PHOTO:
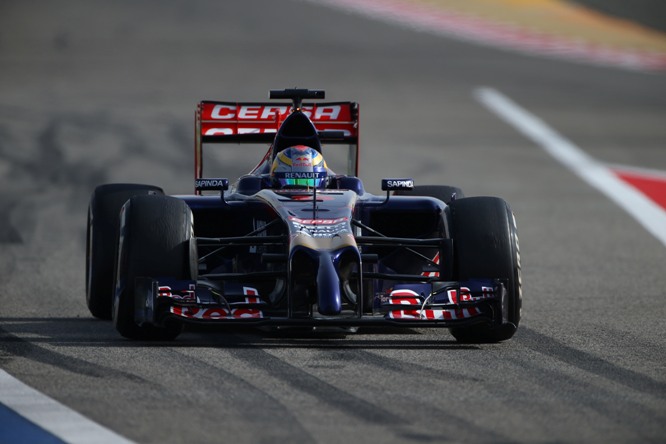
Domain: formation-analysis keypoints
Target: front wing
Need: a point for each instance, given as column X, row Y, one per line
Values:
column 415, row 305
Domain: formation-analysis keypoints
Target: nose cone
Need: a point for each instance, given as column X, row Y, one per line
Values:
column 329, row 297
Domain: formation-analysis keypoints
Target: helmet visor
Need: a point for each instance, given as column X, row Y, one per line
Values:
column 301, row 180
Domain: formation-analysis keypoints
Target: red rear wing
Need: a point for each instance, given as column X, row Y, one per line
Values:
column 257, row 122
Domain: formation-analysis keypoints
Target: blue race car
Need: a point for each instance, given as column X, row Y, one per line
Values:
column 293, row 244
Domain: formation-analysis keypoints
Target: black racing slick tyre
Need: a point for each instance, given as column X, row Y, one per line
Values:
column 486, row 246
column 156, row 240
column 102, row 239
column 445, row 193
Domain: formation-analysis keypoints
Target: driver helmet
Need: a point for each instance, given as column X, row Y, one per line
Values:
column 299, row 166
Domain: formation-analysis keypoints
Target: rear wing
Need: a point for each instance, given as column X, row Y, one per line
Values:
column 258, row 122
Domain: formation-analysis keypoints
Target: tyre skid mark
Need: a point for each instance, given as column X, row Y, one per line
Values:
column 13, row 346
column 243, row 347
column 602, row 400
column 590, row 363
column 457, row 422
column 299, row 379
column 325, row 392
column 249, row 401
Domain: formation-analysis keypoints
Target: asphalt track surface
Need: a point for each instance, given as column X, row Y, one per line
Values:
column 101, row 92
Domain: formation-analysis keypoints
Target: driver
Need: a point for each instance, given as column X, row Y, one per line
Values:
column 299, row 167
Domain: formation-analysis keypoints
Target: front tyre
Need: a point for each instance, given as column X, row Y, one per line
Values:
column 102, row 239
column 486, row 246
column 156, row 238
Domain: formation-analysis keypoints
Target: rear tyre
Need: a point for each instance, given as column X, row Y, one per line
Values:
column 101, row 242
column 444, row 193
column 156, row 240
column 486, row 246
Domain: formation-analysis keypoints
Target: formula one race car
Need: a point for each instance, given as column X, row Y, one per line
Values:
column 292, row 244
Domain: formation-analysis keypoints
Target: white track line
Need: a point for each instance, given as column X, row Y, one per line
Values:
column 50, row 415
column 646, row 212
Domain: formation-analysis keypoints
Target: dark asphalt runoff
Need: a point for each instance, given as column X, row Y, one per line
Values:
column 94, row 92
